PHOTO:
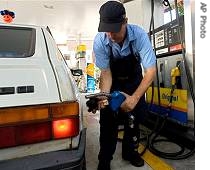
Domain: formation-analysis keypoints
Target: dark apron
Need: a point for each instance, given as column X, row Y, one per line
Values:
column 126, row 77
column 126, row 72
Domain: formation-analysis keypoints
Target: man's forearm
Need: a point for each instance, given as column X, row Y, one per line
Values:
column 105, row 80
column 145, row 83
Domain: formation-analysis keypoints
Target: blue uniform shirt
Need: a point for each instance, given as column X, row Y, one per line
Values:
column 141, row 44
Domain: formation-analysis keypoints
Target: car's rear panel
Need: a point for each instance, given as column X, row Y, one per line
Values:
column 26, row 77
column 40, row 112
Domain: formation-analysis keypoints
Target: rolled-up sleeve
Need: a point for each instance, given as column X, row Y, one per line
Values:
column 144, row 48
column 101, row 52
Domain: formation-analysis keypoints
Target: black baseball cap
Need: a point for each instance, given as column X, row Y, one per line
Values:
column 112, row 15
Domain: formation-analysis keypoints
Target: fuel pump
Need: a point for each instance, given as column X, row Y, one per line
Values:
column 168, row 97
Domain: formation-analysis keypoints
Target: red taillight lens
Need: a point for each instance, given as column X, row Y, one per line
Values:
column 25, row 134
column 7, row 137
column 65, row 128
column 33, row 133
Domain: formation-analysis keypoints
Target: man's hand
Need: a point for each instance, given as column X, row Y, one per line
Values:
column 97, row 103
column 129, row 103
column 102, row 102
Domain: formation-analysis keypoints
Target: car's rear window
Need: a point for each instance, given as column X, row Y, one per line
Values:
column 17, row 42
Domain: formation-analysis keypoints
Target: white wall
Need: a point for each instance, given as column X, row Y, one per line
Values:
column 70, row 18
column 67, row 18
column 139, row 12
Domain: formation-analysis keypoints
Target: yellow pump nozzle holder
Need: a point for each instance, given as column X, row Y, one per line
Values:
column 174, row 73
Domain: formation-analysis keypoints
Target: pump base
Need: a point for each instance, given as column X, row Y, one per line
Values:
column 175, row 131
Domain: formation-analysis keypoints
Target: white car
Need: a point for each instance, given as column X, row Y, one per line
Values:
column 41, row 125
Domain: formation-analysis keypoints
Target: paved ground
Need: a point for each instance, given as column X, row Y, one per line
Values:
column 152, row 162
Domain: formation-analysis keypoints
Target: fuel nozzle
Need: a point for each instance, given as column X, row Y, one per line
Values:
column 175, row 72
column 175, row 81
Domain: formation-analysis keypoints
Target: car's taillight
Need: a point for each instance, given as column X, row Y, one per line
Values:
column 32, row 133
column 27, row 125
column 63, row 110
column 25, row 134
column 65, row 128
column 23, row 114
column 7, row 137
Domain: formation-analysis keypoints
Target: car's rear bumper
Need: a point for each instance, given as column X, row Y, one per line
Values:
column 66, row 159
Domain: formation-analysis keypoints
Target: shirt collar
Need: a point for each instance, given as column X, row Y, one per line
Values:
column 130, row 33
column 106, row 39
